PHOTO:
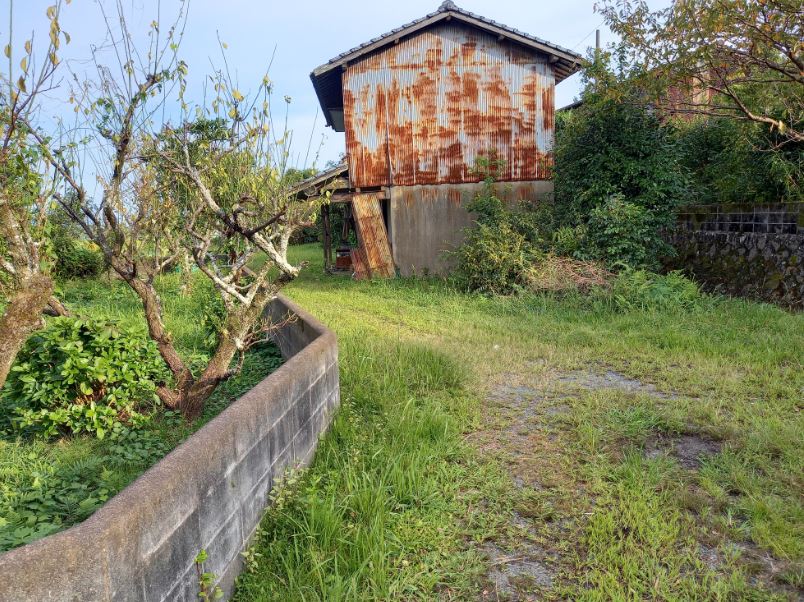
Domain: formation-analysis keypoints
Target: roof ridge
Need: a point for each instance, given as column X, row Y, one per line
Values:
column 327, row 81
column 449, row 6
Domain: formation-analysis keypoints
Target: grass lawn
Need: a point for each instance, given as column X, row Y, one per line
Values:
column 535, row 448
column 48, row 486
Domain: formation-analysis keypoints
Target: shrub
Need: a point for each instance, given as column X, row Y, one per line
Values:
column 740, row 162
column 76, row 258
column 534, row 221
column 612, row 147
column 42, row 492
column 620, row 232
column 569, row 241
column 642, row 290
column 79, row 376
column 494, row 259
column 616, row 147
column 496, row 253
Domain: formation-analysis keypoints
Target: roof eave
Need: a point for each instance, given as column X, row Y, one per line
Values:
column 324, row 109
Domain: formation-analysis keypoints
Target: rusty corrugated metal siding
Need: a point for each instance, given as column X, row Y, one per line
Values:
column 421, row 111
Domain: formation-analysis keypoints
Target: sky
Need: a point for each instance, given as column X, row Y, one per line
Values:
column 300, row 35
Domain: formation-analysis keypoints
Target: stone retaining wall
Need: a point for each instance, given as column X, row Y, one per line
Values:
column 209, row 493
column 767, row 267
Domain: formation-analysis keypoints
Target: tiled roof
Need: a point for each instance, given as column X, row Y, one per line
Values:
column 446, row 7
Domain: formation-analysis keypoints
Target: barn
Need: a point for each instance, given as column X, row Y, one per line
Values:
column 419, row 105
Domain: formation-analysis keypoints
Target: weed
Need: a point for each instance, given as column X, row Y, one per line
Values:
column 402, row 496
column 48, row 486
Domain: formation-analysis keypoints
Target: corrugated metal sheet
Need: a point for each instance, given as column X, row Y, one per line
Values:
column 422, row 111
column 359, row 268
column 372, row 236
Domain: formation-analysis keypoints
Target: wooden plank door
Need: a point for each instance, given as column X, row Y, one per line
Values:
column 372, row 235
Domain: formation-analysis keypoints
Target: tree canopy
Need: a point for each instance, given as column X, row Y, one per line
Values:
column 742, row 59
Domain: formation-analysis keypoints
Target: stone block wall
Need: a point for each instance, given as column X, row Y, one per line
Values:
column 754, row 252
column 209, row 493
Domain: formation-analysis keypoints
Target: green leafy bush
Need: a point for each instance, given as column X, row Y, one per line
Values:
column 643, row 290
column 569, row 241
column 733, row 161
column 42, row 492
column 615, row 147
column 620, row 232
column 494, row 259
column 79, row 376
column 47, row 486
column 76, row 258
column 495, row 256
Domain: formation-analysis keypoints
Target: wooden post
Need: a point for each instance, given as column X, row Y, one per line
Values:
column 347, row 217
column 327, row 238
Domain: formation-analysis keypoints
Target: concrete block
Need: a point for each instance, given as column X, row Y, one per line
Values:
column 173, row 558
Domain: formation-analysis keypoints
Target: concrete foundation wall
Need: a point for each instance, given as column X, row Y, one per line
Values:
column 209, row 493
column 425, row 221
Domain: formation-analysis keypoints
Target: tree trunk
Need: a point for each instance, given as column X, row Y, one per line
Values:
column 22, row 317
column 56, row 308
column 190, row 399
column 159, row 334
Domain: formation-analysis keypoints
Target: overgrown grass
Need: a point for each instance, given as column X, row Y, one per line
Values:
column 48, row 486
column 399, row 501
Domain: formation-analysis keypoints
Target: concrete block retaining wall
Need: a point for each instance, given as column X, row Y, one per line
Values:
column 209, row 493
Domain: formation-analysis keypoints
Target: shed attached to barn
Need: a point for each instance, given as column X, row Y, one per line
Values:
column 419, row 106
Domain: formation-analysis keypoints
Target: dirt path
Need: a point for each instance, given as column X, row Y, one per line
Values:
column 529, row 427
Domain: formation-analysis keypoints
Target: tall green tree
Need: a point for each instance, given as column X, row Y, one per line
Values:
column 740, row 59
column 618, row 179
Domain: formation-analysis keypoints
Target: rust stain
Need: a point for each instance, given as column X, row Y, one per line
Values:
column 372, row 236
column 429, row 194
column 422, row 111
column 359, row 266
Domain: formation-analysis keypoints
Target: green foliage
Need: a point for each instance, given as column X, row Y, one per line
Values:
column 206, row 580
column 499, row 250
column 535, row 221
column 76, row 258
column 73, row 256
column 569, row 241
column 79, row 376
column 46, row 486
column 487, row 206
column 614, row 147
column 493, row 259
column 737, row 162
column 41, row 492
column 620, row 232
column 749, row 51
column 494, row 256
column 641, row 290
